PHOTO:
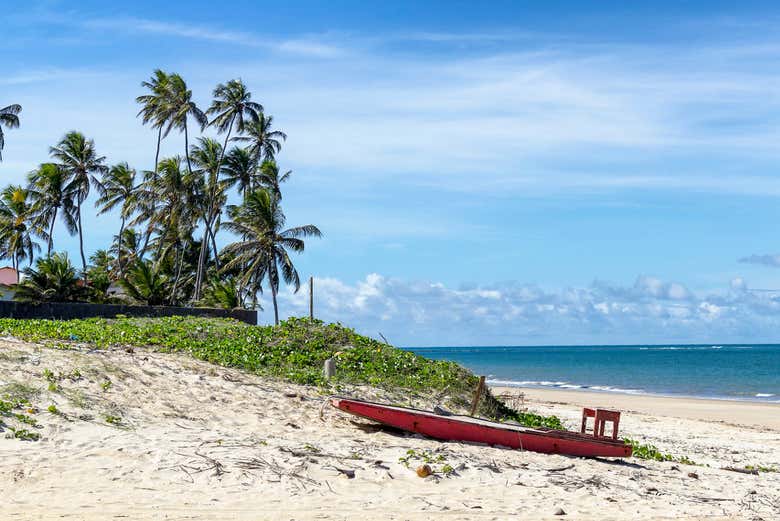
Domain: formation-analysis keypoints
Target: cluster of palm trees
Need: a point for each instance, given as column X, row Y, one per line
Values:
column 165, row 251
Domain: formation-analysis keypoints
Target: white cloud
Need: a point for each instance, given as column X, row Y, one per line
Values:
column 300, row 46
column 539, row 118
column 651, row 310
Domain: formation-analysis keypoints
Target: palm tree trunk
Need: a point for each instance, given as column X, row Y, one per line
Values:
column 179, row 260
column 51, row 232
column 154, row 201
column 213, row 235
column 201, row 262
column 81, row 242
column 187, row 147
column 202, row 256
column 119, row 247
column 209, row 228
column 147, row 236
column 273, row 281
column 276, row 307
column 157, row 154
column 224, row 147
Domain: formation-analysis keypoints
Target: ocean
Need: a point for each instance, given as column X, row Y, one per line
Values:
column 737, row 372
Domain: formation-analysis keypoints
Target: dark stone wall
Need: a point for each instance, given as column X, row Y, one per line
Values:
column 68, row 310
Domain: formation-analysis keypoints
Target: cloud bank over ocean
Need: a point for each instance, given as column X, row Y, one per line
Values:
column 649, row 311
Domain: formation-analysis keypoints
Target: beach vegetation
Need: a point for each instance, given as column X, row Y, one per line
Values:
column 18, row 393
column 23, row 434
column 7, row 408
column 651, row 452
column 294, row 351
column 762, row 468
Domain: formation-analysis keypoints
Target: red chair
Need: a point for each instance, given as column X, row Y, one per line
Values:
column 600, row 417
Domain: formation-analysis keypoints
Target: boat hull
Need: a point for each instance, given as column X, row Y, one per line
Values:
column 475, row 430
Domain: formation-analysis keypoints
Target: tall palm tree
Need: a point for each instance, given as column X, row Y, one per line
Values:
column 156, row 107
column 9, row 116
column 50, row 198
column 77, row 156
column 264, row 251
column 264, row 142
column 179, row 108
column 117, row 189
column 240, row 169
column 178, row 214
column 270, row 178
column 17, row 232
column 231, row 105
column 206, row 155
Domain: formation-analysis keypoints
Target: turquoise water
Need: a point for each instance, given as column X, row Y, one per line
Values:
column 742, row 372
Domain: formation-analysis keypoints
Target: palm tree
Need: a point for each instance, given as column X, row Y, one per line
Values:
column 127, row 245
column 145, row 282
column 269, row 177
column 100, row 275
column 54, row 279
column 222, row 294
column 264, row 252
column 264, row 142
column 17, row 231
column 156, row 107
column 240, row 169
column 178, row 214
column 77, row 156
column 117, row 189
column 50, row 199
column 144, row 207
column 206, row 155
column 179, row 107
column 9, row 116
column 232, row 103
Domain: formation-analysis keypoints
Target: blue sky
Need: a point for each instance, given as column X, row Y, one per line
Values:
column 524, row 172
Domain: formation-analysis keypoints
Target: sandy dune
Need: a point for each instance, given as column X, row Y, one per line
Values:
column 196, row 441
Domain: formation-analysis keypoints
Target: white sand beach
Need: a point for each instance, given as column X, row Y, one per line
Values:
column 195, row 441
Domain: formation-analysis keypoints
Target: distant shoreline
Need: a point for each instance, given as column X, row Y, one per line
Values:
column 736, row 412
column 765, row 398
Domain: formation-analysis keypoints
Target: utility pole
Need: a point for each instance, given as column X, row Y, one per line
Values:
column 311, row 298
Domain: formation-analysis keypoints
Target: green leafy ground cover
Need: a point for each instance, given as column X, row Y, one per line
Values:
column 294, row 351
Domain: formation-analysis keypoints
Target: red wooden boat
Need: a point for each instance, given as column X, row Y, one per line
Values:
column 466, row 428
